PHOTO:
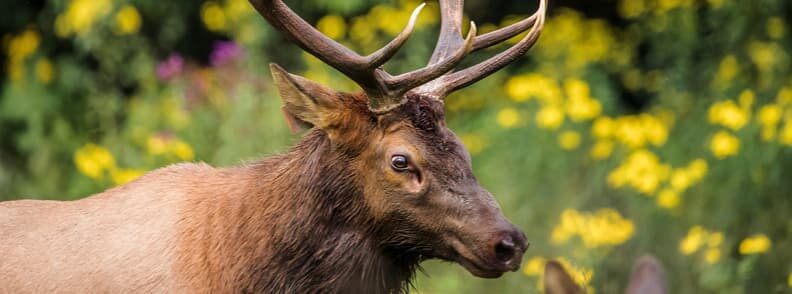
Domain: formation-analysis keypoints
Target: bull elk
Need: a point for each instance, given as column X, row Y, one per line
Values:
column 378, row 185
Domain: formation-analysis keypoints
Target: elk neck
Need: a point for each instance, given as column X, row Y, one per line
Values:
column 296, row 222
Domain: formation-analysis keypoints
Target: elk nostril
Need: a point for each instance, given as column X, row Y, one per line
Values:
column 505, row 250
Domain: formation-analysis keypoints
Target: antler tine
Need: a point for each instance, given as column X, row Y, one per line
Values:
column 450, row 30
column 382, row 55
column 502, row 34
column 410, row 80
column 358, row 68
column 460, row 79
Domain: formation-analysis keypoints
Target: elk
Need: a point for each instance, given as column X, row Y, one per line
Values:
column 376, row 186
column 647, row 277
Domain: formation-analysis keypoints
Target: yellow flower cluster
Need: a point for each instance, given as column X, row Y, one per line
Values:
column 603, row 228
column 220, row 17
column 127, row 20
column 80, row 17
column 580, row 105
column 723, row 144
column 730, row 115
column 167, row 145
column 770, row 118
column 727, row 70
column 699, row 238
column 563, row 40
column 521, row 88
column 580, row 275
column 641, row 170
column 388, row 19
column 776, row 28
column 765, row 55
column 569, row 140
column 508, row 117
column 474, row 143
column 755, row 244
column 635, row 8
column 45, row 70
column 20, row 47
column 633, row 131
column 573, row 101
column 94, row 161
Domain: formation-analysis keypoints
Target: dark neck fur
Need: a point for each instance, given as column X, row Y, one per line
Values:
column 302, row 226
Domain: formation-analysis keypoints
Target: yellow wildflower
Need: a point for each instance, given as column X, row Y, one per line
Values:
column 776, row 27
column 580, row 109
column 668, row 199
column 23, row 45
column 333, row 26
column 92, row 160
column 45, row 71
column 769, row 115
column 715, row 239
column 474, row 143
column 728, row 114
column 692, row 241
column 182, row 150
column 789, row 280
column 518, row 88
column 727, row 70
column 603, row 127
column 127, row 20
column 156, row 145
column 522, row 87
column 569, row 140
column 724, row 145
column 681, row 179
column 508, row 117
column 80, row 16
column 213, row 16
column 631, row 8
column 698, row 168
column 755, row 244
column 534, row 266
column 605, row 227
column 712, row 255
column 784, row 96
column 642, row 170
column 764, row 55
column 581, row 275
column 786, row 133
column 550, row 117
column 602, row 149
column 123, row 176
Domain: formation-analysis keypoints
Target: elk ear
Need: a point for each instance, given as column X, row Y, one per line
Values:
column 647, row 277
column 305, row 103
column 558, row 281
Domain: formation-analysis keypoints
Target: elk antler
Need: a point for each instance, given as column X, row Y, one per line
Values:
column 386, row 91
column 449, row 39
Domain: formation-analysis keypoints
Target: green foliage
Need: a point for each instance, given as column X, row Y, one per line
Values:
column 646, row 126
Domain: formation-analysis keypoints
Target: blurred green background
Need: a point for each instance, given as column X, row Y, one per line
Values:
column 634, row 126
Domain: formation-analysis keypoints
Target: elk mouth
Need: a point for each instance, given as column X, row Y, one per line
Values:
column 478, row 265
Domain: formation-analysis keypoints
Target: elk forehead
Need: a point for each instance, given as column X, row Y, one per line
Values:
column 441, row 147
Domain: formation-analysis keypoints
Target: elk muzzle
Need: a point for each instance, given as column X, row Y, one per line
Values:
column 488, row 245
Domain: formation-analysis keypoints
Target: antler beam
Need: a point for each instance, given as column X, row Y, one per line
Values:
column 386, row 91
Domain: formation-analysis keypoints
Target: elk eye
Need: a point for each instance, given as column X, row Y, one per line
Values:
column 399, row 163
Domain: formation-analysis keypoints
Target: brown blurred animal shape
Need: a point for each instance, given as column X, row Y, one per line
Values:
column 647, row 277
column 377, row 185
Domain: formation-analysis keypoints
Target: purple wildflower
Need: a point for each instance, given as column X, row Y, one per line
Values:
column 170, row 67
column 224, row 52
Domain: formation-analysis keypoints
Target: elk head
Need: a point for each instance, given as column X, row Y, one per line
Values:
column 414, row 173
